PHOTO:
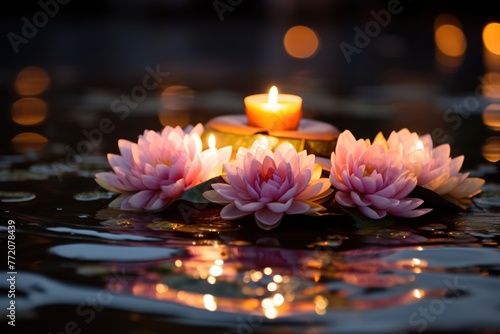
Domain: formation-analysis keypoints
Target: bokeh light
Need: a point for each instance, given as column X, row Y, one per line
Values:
column 491, row 38
column 491, row 116
column 491, row 149
column 450, row 40
column 176, row 101
column 29, row 111
column 301, row 42
column 31, row 81
column 28, row 142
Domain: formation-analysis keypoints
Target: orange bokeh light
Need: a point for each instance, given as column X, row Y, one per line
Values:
column 450, row 40
column 301, row 42
column 28, row 141
column 491, row 149
column 491, row 38
column 31, row 80
column 491, row 116
column 29, row 111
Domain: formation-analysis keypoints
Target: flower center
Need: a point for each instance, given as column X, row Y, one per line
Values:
column 368, row 170
column 266, row 176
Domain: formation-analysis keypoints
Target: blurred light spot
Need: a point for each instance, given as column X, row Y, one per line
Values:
column 491, row 38
column 420, row 248
column 417, row 293
column 182, row 295
column 268, row 271
column 256, row 276
column 29, row 111
column 219, row 262
column 301, row 42
column 267, row 303
column 209, row 302
column 28, row 141
column 278, row 299
column 491, row 116
column 161, row 288
column 320, row 304
column 490, row 85
column 211, row 280
column 415, row 262
column 31, row 80
column 215, row 270
column 491, row 149
column 272, row 286
column 278, row 278
column 450, row 40
column 178, row 263
column 176, row 101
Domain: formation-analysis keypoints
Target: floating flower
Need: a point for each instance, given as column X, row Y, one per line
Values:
column 270, row 184
column 433, row 167
column 160, row 167
column 373, row 178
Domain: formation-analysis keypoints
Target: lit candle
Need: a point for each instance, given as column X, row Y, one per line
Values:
column 274, row 111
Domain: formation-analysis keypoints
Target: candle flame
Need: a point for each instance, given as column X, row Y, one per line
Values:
column 273, row 96
column 211, row 141
column 419, row 146
column 417, row 294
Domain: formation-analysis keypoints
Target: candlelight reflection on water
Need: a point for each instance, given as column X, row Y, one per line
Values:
column 29, row 111
column 176, row 101
column 28, row 142
column 491, row 116
column 31, row 81
column 491, row 149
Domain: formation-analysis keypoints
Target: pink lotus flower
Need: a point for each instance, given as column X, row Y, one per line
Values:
column 160, row 167
column 270, row 185
column 373, row 178
column 433, row 167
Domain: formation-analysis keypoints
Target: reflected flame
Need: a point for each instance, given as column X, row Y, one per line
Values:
column 301, row 42
column 417, row 294
column 490, row 85
column 31, row 81
column 491, row 149
column 176, row 101
column 209, row 302
column 491, row 116
column 29, row 111
column 29, row 141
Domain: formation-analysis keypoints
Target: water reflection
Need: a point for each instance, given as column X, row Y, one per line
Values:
column 491, row 116
column 491, row 149
column 31, row 80
column 28, row 142
column 29, row 111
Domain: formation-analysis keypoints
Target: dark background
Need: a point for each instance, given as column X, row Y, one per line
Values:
column 94, row 51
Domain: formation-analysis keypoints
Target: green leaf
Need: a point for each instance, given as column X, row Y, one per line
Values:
column 434, row 200
column 195, row 194
column 364, row 222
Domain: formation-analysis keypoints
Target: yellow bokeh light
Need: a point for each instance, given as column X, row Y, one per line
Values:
column 491, row 116
column 29, row 111
column 31, row 80
column 301, row 42
column 28, row 141
column 491, row 38
column 176, row 101
column 450, row 40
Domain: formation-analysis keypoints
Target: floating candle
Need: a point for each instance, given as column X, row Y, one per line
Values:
column 274, row 111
